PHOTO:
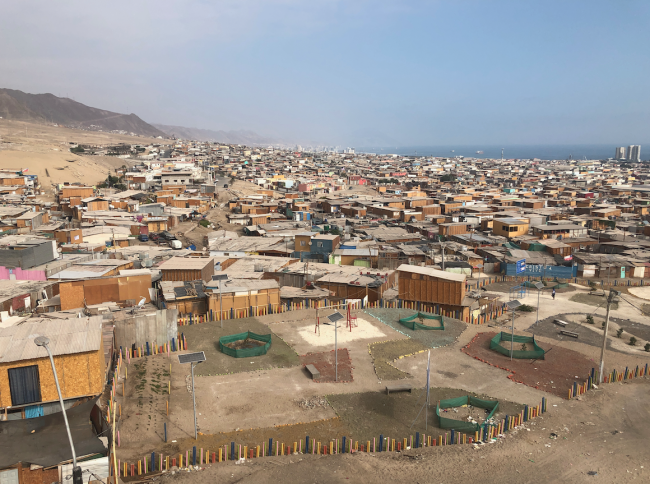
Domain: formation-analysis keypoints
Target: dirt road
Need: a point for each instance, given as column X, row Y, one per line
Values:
column 605, row 434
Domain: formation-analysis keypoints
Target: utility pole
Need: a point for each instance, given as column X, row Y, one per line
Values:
column 442, row 251
column 610, row 298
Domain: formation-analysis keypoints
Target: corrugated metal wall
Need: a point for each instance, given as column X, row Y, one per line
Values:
column 159, row 327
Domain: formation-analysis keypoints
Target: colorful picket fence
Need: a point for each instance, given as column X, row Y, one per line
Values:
column 153, row 348
column 255, row 311
column 157, row 462
column 614, row 376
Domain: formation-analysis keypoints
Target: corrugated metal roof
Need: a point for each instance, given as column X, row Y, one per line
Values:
column 432, row 272
column 67, row 336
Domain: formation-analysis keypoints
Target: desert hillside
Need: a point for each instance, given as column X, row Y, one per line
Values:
column 44, row 151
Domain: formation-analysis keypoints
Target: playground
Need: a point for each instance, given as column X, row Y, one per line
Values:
column 252, row 399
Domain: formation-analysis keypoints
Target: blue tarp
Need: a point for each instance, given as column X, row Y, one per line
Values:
column 561, row 272
column 34, row 411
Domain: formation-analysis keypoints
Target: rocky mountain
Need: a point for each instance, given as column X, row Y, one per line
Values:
column 243, row 137
column 48, row 108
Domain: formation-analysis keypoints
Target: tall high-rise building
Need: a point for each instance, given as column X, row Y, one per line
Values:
column 634, row 153
column 620, row 153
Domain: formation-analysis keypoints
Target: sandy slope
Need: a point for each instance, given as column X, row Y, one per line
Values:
column 44, row 150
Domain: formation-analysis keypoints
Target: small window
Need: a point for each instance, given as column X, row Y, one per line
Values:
column 24, row 385
column 319, row 244
column 302, row 243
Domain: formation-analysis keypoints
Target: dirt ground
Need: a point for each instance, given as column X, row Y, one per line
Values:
column 205, row 337
column 592, row 334
column 326, row 365
column 429, row 338
column 399, row 415
column 601, row 438
column 554, row 374
column 592, row 300
column 45, row 150
column 385, row 353
column 277, row 401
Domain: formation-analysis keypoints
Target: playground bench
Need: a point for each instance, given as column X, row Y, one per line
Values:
column 559, row 322
column 569, row 333
column 399, row 387
column 311, row 369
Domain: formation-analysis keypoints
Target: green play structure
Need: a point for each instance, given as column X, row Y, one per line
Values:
column 411, row 324
column 459, row 425
column 250, row 344
column 536, row 354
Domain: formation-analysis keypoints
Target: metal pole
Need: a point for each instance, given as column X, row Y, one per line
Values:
column 336, row 352
column 194, row 403
column 610, row 298
column 539, row 291
column 65, row 417
column 76, row 470
column 512, row 335
column 426, row 415
column 220, row 306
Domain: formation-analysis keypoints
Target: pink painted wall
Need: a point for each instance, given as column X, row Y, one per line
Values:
column 22, row 275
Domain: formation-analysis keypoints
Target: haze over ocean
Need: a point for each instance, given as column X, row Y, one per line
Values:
column 543, row 152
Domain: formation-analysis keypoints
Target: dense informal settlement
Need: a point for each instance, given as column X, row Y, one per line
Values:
column 98, row 269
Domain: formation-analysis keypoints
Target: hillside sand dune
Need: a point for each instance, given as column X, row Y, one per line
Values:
column 45, row 151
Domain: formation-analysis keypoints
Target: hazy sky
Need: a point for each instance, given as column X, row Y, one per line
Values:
column 348, row 72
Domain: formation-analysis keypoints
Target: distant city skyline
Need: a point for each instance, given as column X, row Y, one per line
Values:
column 348, row 73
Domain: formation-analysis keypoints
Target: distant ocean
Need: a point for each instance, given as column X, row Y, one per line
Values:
column 543, row 152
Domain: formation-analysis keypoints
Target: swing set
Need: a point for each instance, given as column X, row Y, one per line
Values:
column 351, row 320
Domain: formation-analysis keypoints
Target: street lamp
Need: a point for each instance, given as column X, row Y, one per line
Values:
column 539, row 287
column 220, row 278
column 76, row 470
column 512, row 305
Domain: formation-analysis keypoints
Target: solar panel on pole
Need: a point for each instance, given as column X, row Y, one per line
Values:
column 193, row 359
column 334, row 317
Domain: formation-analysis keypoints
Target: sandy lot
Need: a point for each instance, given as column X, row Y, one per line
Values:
column 604, row 434
column 249, row 406
column 44, row 150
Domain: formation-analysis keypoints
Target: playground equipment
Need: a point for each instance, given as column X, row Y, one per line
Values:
column 536, row 354
column 245, row 345
column 460, row 426
column 350, row 320
column 410, row 323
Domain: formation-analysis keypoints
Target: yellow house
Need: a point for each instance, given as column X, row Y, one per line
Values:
column 510, row 227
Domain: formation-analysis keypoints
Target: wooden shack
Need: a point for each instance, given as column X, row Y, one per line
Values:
column 430, row 285
column 187, row 269
column 26, row 377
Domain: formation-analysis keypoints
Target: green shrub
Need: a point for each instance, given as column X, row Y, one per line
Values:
column 204, row 223
column 590, row 319
column 632, row 341
column 619, row 333
column 526, row 308
column 647, row 347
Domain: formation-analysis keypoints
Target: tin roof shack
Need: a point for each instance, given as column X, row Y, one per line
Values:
column 560, row 231
column 26, row 378
column 443, row 291
column 28, row 254
column 188, row 297
column 92, row 269
column 239, row 295
column 430, row 285
column 69, row 236
column 324, row 245
column 146, row 325
column 509, row 227
column 31, row 221
column 125, row 290
column 187, row 269
column 23, row 296
column 369, row 285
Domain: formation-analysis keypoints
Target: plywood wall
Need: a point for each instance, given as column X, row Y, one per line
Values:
column 79, row 375
column 419, row 287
